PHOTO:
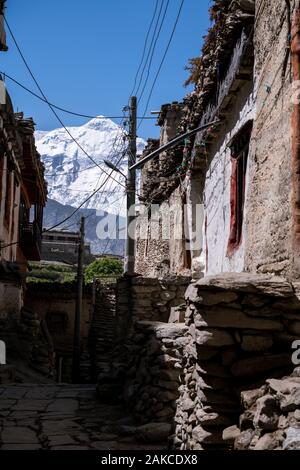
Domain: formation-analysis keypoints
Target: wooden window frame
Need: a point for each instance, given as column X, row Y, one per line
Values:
column 239, row 147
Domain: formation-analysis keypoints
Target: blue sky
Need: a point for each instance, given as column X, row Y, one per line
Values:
column 85, row 55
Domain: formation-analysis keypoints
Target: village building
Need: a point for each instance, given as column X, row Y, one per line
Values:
column 23, row 195
column 241, row 172
column 62, row 246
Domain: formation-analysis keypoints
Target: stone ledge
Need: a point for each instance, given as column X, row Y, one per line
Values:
column 249, row 283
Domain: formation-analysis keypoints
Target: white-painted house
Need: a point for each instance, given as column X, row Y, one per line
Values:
column 242, row 170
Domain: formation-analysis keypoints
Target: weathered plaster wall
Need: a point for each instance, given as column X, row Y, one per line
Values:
column 217, row 189
column 268, row 219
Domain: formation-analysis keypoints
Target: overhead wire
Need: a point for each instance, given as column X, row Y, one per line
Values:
column 67, row 111
column 154, row 35
column 144, row 48
column 52, row 109
column 153, row 51
column 163, row 58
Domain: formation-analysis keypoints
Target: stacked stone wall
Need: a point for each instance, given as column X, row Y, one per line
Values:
column 241, row 329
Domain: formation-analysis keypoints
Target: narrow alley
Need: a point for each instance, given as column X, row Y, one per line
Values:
column 66, row 417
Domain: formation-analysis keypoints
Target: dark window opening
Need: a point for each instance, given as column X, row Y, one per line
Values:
column 239, row 156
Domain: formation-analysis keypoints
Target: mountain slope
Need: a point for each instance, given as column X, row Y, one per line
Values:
column 72, row 176
column 94, row 225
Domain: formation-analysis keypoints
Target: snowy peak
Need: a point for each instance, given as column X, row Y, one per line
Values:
column 72, row 176
column 101, row 124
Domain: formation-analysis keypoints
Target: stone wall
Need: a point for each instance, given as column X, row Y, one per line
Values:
column 140, row 303
column 269, row 219
column 155, row 299
column 270, row 418
column 29, row 347
column 142, row 298
column 161, row 245
column 152, row 378
column 241, row 330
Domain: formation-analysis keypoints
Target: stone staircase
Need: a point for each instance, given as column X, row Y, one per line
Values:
column 102, row 333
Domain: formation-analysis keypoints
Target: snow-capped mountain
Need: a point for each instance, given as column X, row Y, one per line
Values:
column 72, row 176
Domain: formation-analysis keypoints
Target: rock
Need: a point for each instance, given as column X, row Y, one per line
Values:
column 292, row 401
column 248, row 283
column 266, row 442
column 242, row 442
column 246, row 420
column 266, row 416
column 167, row 295
column 212, row 419
column 233, row 318
column 153, row 432
column 292, row 440
column 297, row 415
column 231, row 433
column 249, row 397
column 191, row 294
column 256, row 343
column 284, row 386
column 254, row 300
column 168, row 330
column 201, row 436
column 187, row 404
column 214, row 298
column 177, row 314
column 294, row 327
column 211, row 338
column 164, row 360
column 258, row 365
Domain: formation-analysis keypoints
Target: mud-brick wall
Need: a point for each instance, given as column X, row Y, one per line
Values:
column 240, row 332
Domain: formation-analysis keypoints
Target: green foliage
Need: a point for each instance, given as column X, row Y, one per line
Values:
column 45, row 273
column 105, row 267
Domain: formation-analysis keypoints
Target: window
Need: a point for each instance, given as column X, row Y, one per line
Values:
column 239, row 147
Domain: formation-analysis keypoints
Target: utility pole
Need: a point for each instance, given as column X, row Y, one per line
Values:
column 78, row 308
column 130, row 191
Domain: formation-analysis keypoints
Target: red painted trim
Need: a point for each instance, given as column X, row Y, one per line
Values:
column 233, row 242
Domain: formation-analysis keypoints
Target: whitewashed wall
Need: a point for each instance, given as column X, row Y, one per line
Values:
column 217, row 194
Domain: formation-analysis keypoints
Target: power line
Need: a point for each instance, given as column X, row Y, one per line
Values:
column 73, row 113
column 164, row 57
column 52, row 109
column 82, row 204
column 153, row 50
column 150, row 48
column 145, row 47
